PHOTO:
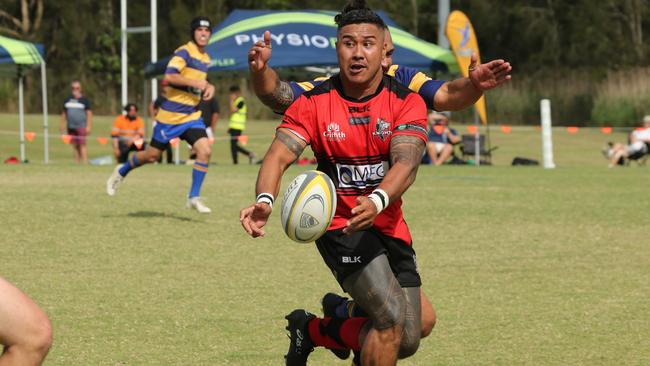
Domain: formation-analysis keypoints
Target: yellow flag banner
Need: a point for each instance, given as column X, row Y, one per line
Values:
column 462, row 40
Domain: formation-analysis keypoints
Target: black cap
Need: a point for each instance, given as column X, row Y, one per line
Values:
column 199, row 22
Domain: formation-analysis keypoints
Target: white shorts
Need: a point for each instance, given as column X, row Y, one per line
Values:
column 636, row 147
column 439, row 146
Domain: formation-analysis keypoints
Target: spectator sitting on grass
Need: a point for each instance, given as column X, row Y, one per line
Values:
column 639, row 145
column 442, row 138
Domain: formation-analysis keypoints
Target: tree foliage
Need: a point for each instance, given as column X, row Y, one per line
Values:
column 542, row 38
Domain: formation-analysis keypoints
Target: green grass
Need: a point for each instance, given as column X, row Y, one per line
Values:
column 525, row 266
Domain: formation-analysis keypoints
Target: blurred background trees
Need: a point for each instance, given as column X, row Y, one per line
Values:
column 591, row 58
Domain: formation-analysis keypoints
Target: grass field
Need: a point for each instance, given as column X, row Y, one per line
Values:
column 525, row 266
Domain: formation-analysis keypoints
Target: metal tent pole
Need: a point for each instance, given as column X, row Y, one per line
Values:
column 46, row 142
column 21, row 115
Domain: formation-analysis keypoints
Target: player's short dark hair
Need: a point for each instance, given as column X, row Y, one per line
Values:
column 357, row 12
column 234, row 89
column 128, row 107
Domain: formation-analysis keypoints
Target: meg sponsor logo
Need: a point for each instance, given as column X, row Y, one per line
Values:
column 361, row 176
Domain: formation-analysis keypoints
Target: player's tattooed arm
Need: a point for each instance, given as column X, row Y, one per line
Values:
column 405, row 155
column 280, row 98
column 291, row 142
column 284, row 150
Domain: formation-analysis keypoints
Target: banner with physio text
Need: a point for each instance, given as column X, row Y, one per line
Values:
column 462, row 40
column 303, row 38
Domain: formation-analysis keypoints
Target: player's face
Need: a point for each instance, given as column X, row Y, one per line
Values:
column 133, row 112
column 387, row 61
column 202, row 36
column 360, row 50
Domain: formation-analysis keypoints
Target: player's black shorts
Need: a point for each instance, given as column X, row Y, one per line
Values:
column 346, row 254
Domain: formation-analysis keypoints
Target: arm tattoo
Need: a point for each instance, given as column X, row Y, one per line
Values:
column 280, row 98
column 291, row 143
column 407, row 150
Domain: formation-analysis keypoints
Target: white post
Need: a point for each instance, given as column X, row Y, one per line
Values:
column 21, row 116
column 154, row 48
column 177, row 153
column 443, row 13
column 547, row 139
column 125, row 81
column 46, row 137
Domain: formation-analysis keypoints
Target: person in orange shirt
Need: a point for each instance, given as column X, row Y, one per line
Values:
column 127, row 133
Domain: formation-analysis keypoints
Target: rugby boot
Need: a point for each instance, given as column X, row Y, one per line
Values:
column 197, row 204
column 114, row 181
column 300, row 346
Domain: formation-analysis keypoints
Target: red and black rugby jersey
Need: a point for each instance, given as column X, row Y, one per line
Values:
column 351, row 141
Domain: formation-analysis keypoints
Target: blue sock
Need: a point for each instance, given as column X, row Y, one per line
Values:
column 130, row 164
column 342, row 310
column 198, row 173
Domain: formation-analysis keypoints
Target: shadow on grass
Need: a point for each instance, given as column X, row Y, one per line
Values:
column 150, row 214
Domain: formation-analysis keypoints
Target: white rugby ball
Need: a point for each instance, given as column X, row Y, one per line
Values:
column 308, row 206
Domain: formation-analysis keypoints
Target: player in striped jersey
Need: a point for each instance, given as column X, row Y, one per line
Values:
column 178, row 115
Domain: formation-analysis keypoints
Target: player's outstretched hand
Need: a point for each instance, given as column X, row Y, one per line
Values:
column 254, row 217
column 208, row 92
column 489, row 75
column 363, row 215
column 260, row 54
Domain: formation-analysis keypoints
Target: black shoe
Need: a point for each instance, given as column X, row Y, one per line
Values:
column 300, row 346
column 330, row 302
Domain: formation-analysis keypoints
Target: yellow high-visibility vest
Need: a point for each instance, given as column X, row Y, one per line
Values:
column 238, row 119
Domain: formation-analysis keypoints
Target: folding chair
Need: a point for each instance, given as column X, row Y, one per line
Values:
column 640, row 158
column 468, row 148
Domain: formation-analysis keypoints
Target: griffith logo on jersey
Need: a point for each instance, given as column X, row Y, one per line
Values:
column 382, row 129
column 333, row 132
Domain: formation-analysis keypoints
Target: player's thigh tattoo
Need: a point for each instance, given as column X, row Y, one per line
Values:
column 290, row 142
column 377, row 291
column 280, row 98
column 412, row 323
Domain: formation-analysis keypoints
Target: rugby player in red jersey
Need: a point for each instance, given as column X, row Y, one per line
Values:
column 359, row 120
column 452, row 95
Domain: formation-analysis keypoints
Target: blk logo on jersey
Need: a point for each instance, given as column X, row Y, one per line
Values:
column 333, row 132
column 382, row 129
column 360, row 176
column 355, row 109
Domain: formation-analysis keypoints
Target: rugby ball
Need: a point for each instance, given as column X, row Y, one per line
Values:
column 308, row 206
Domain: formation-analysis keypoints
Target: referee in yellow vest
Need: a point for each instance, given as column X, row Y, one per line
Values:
column 237, row 124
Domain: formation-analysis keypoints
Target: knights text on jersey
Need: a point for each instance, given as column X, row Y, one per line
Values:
column 351, row 141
